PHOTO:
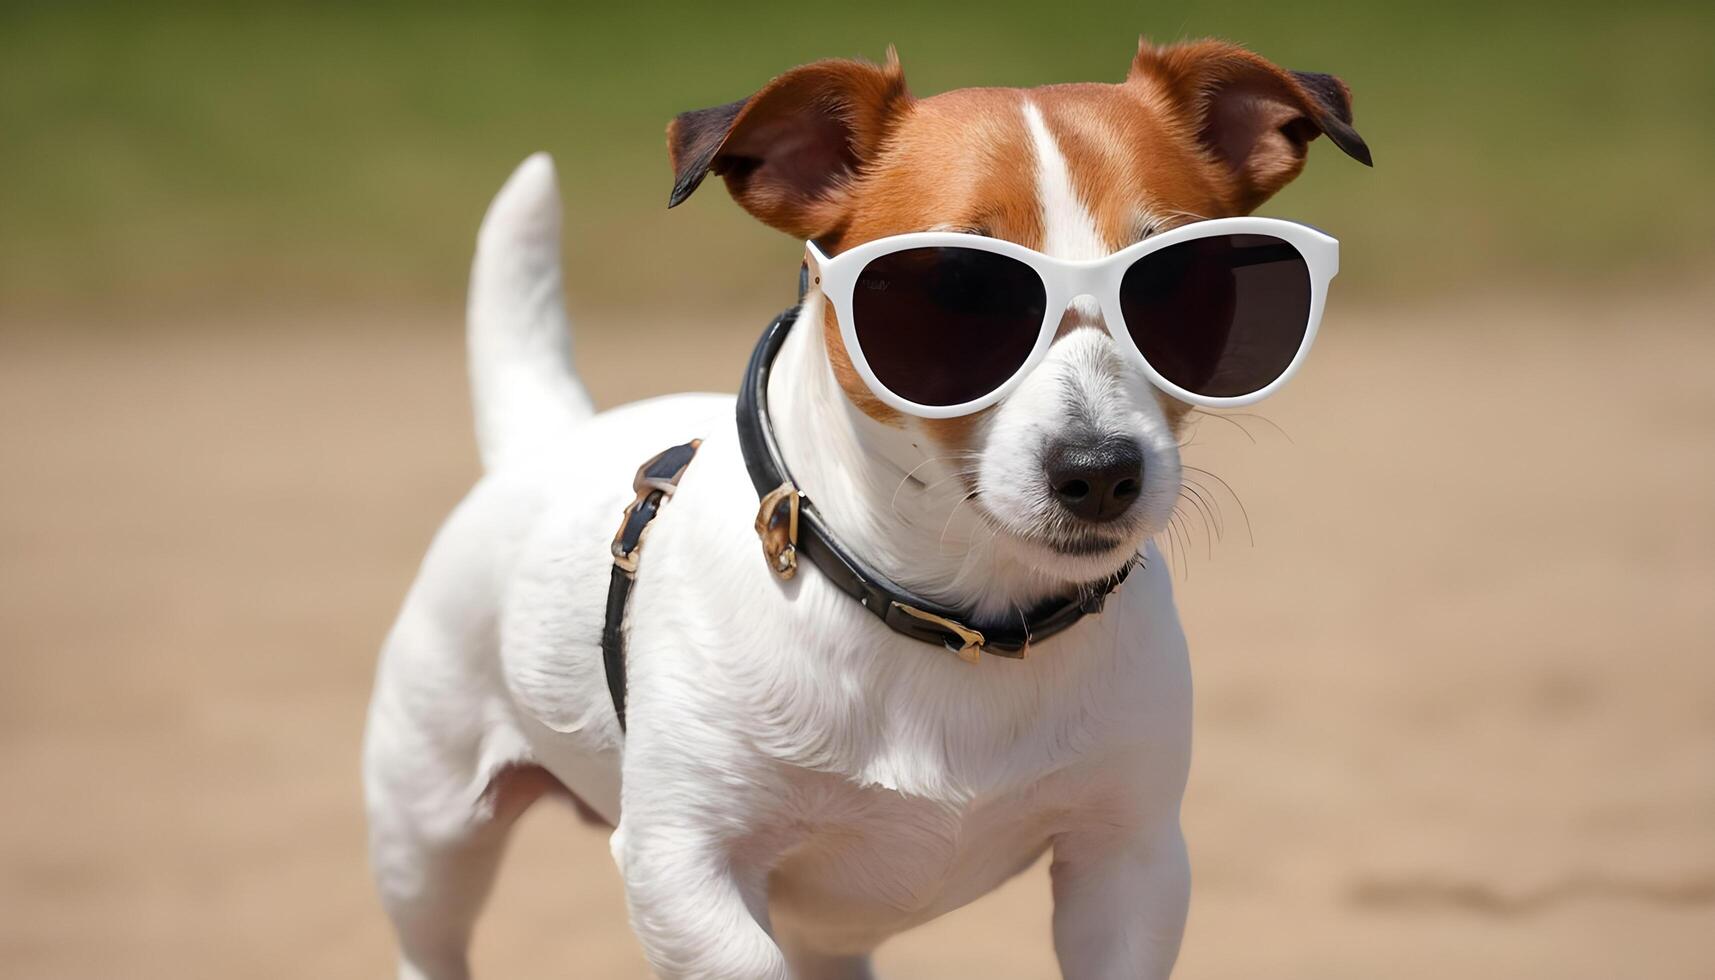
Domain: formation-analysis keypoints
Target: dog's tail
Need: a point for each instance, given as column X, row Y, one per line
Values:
column 526, row 394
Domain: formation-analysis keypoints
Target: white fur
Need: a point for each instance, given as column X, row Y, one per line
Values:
column 798, row 782
column 1069, row 232
column 522, row 383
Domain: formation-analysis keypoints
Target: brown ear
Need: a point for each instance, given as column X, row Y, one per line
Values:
column 788, row 152
column 1252, row 115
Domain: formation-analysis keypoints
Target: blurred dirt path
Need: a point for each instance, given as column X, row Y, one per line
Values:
column 1456, row 707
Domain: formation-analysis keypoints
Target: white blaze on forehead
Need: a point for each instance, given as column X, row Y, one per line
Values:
column 1069, row 232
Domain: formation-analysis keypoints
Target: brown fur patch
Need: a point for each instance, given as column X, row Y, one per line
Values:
column 1251, row 117
column 788, row 152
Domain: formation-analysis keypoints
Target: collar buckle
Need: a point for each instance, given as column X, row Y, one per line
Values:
column 971, row 641
column 777, row 526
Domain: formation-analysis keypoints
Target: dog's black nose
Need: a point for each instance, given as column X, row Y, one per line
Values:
column 1096, row 481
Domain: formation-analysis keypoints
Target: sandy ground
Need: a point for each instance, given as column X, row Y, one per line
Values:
column 1456, row 706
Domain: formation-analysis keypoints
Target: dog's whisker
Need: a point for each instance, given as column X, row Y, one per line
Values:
column 1207, row 414
column 1203, row 493
column 1209, row 536
column 908, row 522
column 1243, row 511
column 974, row 553
column 955, row 475
column 1213, row 506
column 942, row 540
column 1183, row 549
column 1211, row 522
column 1172, row 549
column 1265, row 420
column 1185, row 535
column 1202, row 519
column 1169, row 545
column 893, row 501
column 1210, row 514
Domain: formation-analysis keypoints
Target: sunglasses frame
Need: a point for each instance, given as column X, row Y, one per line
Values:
column 1064, row 281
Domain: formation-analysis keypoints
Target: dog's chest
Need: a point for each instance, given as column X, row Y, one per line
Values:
column 888, row 862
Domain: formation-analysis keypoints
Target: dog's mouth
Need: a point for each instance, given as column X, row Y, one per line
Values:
column 1080, row 545
column 1076, row 540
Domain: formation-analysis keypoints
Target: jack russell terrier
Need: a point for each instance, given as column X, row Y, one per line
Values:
column 953, row 449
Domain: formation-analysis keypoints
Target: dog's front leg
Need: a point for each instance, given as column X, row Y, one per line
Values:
column 698, row 901
column 1120, row 901
column 698, row 913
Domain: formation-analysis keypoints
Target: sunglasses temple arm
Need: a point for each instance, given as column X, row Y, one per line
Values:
column 810, row 271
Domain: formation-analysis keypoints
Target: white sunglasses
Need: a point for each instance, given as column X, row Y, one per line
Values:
column 1217, row 313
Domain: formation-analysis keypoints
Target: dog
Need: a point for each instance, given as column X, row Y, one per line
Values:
column 799, row 775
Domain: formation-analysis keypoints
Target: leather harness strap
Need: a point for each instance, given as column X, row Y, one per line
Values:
column 655, row 482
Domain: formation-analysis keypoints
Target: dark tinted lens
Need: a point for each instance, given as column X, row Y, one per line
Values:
column 1219, row 316
column 944, row 326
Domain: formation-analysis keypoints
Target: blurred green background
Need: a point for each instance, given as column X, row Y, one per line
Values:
column 159, row 158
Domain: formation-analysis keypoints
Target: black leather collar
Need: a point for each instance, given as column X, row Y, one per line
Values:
column 795, row 526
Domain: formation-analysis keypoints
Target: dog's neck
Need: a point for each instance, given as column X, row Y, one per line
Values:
column 888, row 494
